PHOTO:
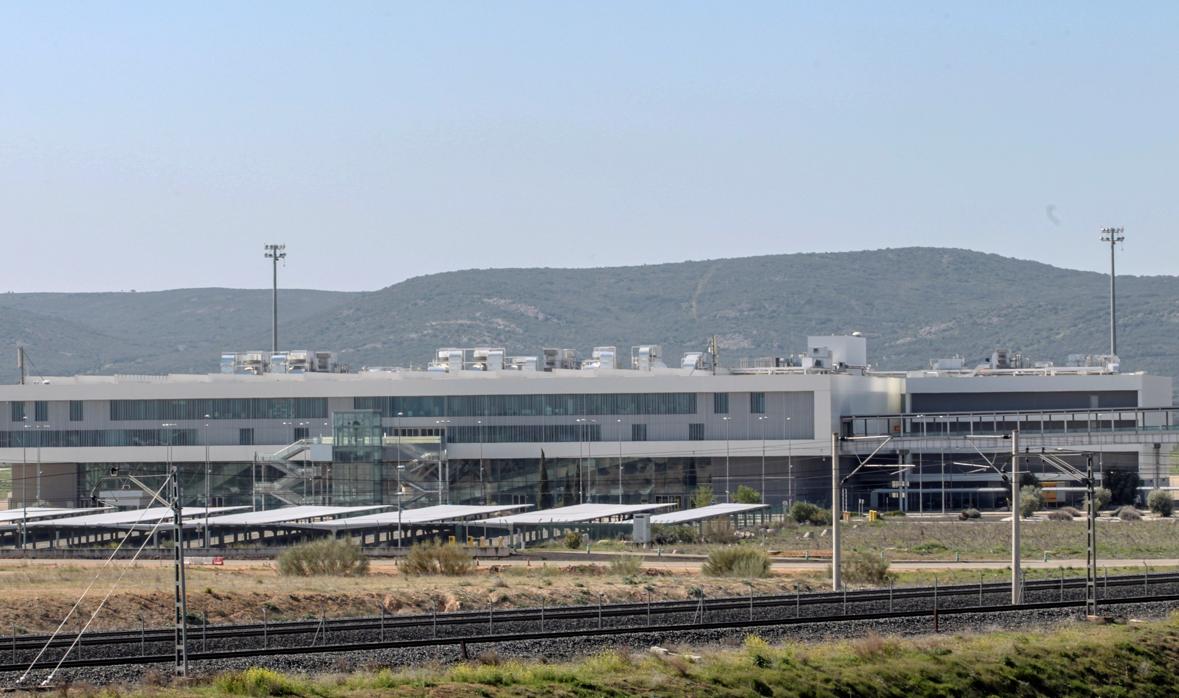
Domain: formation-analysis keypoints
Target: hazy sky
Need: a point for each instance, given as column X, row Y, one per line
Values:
column 157, row 145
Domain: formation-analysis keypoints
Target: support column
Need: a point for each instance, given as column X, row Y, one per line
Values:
column 836, row 555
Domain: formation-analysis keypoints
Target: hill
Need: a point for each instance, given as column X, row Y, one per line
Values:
column 912, row 304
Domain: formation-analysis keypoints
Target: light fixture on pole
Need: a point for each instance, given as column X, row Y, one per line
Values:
column 274, row 253
column 1113, row 236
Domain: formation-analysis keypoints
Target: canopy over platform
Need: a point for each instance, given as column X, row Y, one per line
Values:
column 117, row 519
column 10, row 515
column 422, row 515
column 711, row 511
column 578, row 513
column 286, row 515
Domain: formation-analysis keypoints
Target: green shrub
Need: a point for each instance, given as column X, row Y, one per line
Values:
column 1031, row 499
column 1160, row 502
column 1103, row 496
column 1129, row 513
column 967, row 514
column 433, row 558
column 862, row 568
column 719, row 532
column 626, row 565
column 573, row 540
column 1059, row 515
column 703, row 496
column 673, row 535
column 746, row 495
column 807, row 513
column 737, row 561
column 257, row 681
column 323, row 557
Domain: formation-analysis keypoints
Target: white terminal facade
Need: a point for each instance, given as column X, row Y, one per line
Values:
column 480, row 426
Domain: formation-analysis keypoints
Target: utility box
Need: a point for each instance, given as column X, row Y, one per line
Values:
column 642, row 529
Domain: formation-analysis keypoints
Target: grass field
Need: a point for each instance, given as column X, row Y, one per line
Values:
column 1079, row 660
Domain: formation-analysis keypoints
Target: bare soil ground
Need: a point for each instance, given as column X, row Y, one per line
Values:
column 37, row 595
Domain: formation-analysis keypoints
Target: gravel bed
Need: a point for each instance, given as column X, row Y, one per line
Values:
column 570, row 648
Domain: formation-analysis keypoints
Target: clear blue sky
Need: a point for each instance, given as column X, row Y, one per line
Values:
column 158, row 145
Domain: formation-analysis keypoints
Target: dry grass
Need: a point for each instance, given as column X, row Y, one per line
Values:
column 37, row 595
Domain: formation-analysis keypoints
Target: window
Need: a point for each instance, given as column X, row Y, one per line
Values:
column 757, row 403
column 638, row 432
column 301, row 433
column 245, row 437
column 720, row 403
column 76, row 410
column 530, row 405
column 40, row 411
column 18, row 411
column 696, row 432
column 226, row 408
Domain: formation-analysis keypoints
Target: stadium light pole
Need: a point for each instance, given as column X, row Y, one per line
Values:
column 1113, row 236
column 275, row 253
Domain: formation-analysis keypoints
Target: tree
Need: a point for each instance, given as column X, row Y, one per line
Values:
column 1160, row 502
column 747, row 495
column 703, row 496
column 1122, row 483
column 1031, row 499
column 1028, row 479
column 567, row 495
column 542, row 495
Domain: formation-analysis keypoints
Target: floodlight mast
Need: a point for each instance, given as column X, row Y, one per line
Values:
column 1113, row 236
column 274, row 252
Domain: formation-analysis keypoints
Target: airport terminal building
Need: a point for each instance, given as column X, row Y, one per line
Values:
column 479, row 426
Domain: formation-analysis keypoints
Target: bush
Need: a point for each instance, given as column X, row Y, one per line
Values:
column 1030, row 500
column 1160, row 502
column 807, row 513
column 257, row 681
column 323, row 557
column 1059, row 515
column 746, row 495
column 862, row 568
column 737, row 561
column 673, row 535
column 1123, row 484
column 1072, row 511
column 1128, row 513
column 573, row 540
column 1103, row 496
column 719, row 532
column 432, row 558
column 626, row 565
column 894, row 512
column 967, row 514
column 703, row 496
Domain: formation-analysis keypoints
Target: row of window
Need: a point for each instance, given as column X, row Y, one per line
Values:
column 530, row 405
column 221, row 408
column 87, row 438
column 525, row 433
column 40, row 411
column 757, row 403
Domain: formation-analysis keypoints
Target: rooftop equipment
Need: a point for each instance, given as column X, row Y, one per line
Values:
column 645, row 357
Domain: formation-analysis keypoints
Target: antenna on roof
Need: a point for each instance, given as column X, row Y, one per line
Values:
column 20, row 363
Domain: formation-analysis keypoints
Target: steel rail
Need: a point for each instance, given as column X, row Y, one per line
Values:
column 491, row 639
column 558, row 613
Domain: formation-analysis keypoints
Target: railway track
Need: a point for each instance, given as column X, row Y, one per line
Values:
column 490, row 627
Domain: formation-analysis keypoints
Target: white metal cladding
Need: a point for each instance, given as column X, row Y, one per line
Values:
column 711, row 511
column 573, row 514
column 119, row 518
column 432, row 514
column 285, row 514
column 42, row 513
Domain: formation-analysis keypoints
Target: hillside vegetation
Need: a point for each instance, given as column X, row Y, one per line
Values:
column 912, row 304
